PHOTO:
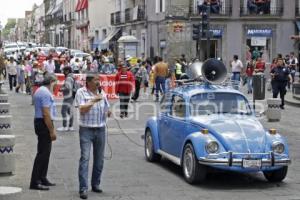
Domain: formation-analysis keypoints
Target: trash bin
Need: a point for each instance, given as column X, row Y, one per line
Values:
column 273, row 112
column 259, row 86
column 7, row 157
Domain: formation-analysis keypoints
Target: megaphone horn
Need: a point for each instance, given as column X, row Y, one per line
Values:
column 214, row 71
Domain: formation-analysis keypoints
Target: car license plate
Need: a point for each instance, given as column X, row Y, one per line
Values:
column 251, row 163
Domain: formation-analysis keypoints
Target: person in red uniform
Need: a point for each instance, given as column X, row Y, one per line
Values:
column 124, row 86
column 260, row 66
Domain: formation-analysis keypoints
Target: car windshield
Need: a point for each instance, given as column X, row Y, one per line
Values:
column 219, row 103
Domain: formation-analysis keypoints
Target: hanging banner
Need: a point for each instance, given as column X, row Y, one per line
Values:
column 107, row 83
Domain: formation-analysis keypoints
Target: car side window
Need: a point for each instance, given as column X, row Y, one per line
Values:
column 178, row 108
column 165, row 103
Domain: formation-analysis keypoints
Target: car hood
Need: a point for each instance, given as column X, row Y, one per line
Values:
column 236, row 133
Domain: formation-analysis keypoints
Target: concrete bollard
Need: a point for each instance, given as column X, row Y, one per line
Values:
column 4, row 108
column 5, row 125
column 3, row 98
column 10, row 193
column 273, row 112
column 7, row 156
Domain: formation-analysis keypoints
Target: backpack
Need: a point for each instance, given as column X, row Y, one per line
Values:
column 76, row 85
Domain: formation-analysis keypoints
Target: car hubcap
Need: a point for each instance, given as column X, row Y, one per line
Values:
column 148, row 145
column 188, row 163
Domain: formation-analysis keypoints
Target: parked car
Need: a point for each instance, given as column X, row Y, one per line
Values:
column 80, row 56
column 202, row 126
column 59, row 50
column 11, row 47
column 74, row 51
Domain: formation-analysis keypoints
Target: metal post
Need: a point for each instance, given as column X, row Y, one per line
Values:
column 208, row 33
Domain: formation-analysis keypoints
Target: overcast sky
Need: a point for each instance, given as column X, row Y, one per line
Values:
column 15, row 8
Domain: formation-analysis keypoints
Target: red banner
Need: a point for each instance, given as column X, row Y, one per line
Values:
column 107, row 83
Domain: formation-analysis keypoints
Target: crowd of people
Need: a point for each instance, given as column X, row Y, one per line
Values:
column 282, row 72
column 259, row 6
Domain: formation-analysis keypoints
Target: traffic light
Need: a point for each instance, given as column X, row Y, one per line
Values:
column 196, row 31
column 205, row 22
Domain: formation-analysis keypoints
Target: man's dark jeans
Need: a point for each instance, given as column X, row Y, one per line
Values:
column 41, row 162
column 12, row 81
column 160, row 85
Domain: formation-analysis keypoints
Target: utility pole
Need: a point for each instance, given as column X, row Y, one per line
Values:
column 206, row 28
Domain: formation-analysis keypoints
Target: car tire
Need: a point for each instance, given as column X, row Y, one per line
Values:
column 150, row 154
column 193, row 171
column 277, row 175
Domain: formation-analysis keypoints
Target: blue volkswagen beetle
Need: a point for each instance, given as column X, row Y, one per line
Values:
column 202, row 126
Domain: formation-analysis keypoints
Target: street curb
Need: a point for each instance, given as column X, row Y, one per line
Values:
column 292, row 101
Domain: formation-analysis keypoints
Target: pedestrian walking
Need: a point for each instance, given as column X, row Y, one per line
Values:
column 12, row 73
column 140, row 78
column 236, row 67
column 124, row 86
column 281, row 76
column 249, row 73
column 21, row 77
column 93, row 108
column 66, row 109
column 178, row 69
column 45, row 113
column 49, row 65
column 161, row 71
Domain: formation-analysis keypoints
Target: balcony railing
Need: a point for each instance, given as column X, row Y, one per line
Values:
column 178, row 11
column 220, row 12
column 271, row 8
column 131, row 15
column 82, row 23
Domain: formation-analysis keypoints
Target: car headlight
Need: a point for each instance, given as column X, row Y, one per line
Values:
column 212, row 147
column 278, row 147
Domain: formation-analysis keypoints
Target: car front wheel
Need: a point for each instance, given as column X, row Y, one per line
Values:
column 150, row 154
column 192, row 170
column 277, row 175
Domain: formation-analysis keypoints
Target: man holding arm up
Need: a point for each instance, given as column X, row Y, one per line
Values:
column 93, row 107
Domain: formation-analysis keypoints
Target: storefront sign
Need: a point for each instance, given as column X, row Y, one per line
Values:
column 259, row 32
column 259, row 41
column 217, row 33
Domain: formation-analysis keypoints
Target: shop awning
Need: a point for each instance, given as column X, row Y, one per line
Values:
column 84, row 5
column 78, row 6
column 110, row 36
column 298, row 25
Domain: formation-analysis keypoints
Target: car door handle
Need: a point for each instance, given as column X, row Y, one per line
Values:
column 166, row 122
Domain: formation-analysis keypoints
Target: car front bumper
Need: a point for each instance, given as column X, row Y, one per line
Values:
column 267, row 159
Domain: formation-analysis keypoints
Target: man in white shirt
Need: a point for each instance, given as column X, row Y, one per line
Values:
column 293, row 65
column 236, row 68
column 12, row 73
column 49, row 65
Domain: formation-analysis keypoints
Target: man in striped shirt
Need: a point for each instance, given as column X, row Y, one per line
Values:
column 93, row 107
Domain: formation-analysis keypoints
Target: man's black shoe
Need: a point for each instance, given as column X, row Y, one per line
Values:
column 97, row 190
column 48, row 183
column 83, row 194
column 39, row 187
column 282, row 107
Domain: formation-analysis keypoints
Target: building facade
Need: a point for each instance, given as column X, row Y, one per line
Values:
column 235, row 28
column 82, row 24
column 129, row 18
column 100, row 27
column 69, row 30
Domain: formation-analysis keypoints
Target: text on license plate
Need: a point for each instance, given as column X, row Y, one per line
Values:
column 248, row 163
